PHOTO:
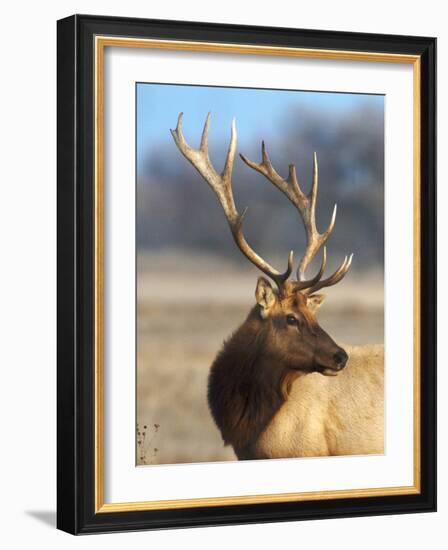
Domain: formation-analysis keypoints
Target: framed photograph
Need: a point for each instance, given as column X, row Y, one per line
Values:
column 216, row 185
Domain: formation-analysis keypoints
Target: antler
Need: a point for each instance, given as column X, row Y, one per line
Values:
column 306, row 204
column 222, row 186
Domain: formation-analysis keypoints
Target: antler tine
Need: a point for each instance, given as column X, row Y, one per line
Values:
column 204, row 137
column 222, row 186
column 337, row 276
column 230, row 159
column 315, row 240
column 302, row 285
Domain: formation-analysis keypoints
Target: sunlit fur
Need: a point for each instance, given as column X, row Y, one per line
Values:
column 338, row 415
column 267, row 399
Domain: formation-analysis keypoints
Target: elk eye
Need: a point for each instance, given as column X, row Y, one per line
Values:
column 291, row 320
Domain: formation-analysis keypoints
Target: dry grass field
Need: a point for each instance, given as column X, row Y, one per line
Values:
column 186, row 308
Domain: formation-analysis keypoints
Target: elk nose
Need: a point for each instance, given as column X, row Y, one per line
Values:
column 340, row 358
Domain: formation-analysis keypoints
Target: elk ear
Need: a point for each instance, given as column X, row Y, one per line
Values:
column 265, row 296
column 315, row 301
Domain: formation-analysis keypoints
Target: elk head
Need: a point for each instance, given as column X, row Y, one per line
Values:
column 287, row 311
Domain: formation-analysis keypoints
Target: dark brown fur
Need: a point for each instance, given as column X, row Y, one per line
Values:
column 244, row 392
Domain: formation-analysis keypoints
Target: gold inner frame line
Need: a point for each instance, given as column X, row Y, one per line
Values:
column 101, row 42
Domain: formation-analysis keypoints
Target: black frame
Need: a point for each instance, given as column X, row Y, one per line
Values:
column 75, row 310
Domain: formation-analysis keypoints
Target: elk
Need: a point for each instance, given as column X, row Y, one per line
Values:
column 280, row 387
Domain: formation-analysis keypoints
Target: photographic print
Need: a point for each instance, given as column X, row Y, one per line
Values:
column 260, row 268
column 246, row 274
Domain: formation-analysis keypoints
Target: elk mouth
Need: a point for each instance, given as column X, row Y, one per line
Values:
column 339, row 363
column 327, row 371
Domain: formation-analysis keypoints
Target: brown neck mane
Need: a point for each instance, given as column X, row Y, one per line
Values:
column 244, row 390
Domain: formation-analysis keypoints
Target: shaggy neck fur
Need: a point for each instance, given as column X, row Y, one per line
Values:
column 244, row 390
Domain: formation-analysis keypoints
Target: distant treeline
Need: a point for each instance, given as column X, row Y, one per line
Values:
column 177, row 210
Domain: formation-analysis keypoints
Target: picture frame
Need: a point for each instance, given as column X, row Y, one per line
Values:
column 82, row 43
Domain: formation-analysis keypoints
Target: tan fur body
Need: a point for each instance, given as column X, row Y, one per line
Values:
column 331, row 415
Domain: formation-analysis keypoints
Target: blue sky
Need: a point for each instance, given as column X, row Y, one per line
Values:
column 257, row 111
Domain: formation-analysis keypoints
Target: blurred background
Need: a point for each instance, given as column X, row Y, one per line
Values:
column 194, row 287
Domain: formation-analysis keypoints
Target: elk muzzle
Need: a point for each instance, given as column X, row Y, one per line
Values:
column 331, row 361
column 340, row 359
